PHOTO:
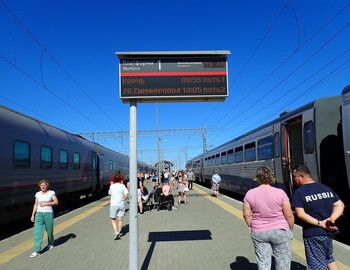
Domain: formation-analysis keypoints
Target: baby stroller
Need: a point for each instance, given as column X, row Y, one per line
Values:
column 161, row 203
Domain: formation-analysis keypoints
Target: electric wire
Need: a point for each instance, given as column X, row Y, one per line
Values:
column 48, row 90
column 266, row 118
column 22, row 26
column 41, row 115
column 295, row 70
column 285, row 60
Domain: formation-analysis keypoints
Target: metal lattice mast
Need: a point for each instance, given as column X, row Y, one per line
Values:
column 147, row 133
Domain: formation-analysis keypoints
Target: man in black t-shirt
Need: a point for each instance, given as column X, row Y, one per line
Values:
column 318, row 207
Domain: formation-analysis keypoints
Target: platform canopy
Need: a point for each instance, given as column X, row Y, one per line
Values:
column 173, row 76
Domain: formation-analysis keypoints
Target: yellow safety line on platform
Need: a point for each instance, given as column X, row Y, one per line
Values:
column 26, row 245
column 297, row 246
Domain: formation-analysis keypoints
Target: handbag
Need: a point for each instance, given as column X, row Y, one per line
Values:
column 186, row 189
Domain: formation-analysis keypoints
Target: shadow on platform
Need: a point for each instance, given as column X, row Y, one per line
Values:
column 242, row 263
column 155, row 237
column 61, row 240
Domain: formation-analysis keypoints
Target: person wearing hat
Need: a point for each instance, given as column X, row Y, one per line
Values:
column 215, row 179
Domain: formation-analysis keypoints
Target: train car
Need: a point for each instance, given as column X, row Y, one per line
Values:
column 309, row 135
column 32, row 150
column 346, row 128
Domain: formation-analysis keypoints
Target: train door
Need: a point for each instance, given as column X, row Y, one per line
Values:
column 346, row 128
column 308, row 146
column 95, row 171
column 291, row 150
column 278, row 162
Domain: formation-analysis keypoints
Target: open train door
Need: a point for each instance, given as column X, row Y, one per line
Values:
column 291, row 150
column 285, row 160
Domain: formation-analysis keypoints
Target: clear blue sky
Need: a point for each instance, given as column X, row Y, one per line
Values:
column 57, row 62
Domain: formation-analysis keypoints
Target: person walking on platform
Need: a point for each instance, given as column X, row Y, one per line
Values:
column 268, row 214
column 182, row 188
column 318, row 207
column 215, row 179
column 154, row 179
column 118, row 193
column 42, row 216
column 190, row 178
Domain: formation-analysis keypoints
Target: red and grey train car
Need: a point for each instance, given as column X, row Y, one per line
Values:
column 31, row 150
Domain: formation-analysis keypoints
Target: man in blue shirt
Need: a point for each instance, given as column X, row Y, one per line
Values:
column 318, row 207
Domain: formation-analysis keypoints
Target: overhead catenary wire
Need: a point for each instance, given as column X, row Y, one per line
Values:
column 41, row 115
column 251, row 56
column 49, row 90
column 266, row 118
column 279, row 66
column 25, row 29
column 295, row 70
column 298, row 48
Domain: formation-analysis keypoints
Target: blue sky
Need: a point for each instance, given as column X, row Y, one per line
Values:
column 57, row 63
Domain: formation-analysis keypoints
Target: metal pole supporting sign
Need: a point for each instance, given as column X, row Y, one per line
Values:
column 153, row 77
column 133, row 240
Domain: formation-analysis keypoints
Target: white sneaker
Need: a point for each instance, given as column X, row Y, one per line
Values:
column 117, row 235
column 33, row 255
column 50, row 247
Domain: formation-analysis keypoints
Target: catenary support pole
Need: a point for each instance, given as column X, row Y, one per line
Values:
column 133, row 240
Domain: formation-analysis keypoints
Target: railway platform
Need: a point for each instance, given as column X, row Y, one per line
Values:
column 206, row 233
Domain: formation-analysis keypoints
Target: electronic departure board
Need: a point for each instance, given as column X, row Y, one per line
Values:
column 167, row 78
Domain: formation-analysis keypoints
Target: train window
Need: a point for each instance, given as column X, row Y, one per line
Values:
column 239, row 154
column 63, row 159
column 114, row 165
column 230, row 157
column 217, row 159
column 111, row 165
column 21, row 158
column 249, row 152
column 76, row 161
column 45, row 157
column 277, row 145
column 309, row 137
column 265, row 148
column 102, row 164
column 212, row 160
column 223, row 158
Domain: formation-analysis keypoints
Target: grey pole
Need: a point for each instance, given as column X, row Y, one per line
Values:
column 133, row 235
column 158, row 143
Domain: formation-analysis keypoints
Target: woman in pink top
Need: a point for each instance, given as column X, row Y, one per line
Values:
column 269, row 216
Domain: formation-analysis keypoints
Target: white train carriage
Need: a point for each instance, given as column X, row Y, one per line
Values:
column 308, row 135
